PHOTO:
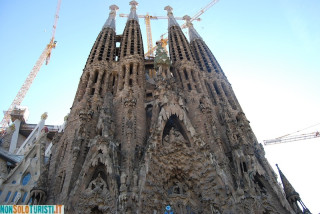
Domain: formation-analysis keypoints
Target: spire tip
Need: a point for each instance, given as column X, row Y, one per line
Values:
column 114, row 7
column 169, row 9
column 133, row 3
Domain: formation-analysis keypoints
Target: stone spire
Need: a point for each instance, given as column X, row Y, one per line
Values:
column 171, row 20
column 111, row 21
column 203, row 55
column 193, row 34
column 291, row 194
column 133, row 11
column 131, row 42
column 178, row 43
column 288, row 188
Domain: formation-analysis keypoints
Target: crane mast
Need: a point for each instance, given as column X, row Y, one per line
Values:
column 45, row 56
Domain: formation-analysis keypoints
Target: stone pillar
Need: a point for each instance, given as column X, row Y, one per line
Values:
column 15, row 136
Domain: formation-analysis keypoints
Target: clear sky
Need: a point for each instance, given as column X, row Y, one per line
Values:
column 269, row 50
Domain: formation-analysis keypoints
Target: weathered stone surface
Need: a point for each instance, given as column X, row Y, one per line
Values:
column 140, row 137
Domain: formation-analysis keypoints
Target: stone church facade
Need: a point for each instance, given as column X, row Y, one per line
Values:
column 145, row 134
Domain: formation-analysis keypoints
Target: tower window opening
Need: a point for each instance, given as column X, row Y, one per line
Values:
column 185, row 74
column 184, row 44
column 103, row 77
column 86, row 79
column 95, row 78
column 216, row 88
column 189, row 87
column 180, row 79
column 258, row 181
column 132, row 42
column 123, row 71
column 92, row 91
column 130, row 82
column 192, row 76
column 211, row 93
column 225, row 90
column 108, row 55
column 138, row 68
column 131, row 69
column 114, row 80
column 244, row 167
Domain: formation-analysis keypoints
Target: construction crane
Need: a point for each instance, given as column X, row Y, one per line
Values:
column 147, row 19
column 289, row 137
column 292, row 138
column 45, row 56
column 164, row 41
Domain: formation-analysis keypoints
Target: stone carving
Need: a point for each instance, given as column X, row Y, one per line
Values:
column 136, row 146
column 130, row 100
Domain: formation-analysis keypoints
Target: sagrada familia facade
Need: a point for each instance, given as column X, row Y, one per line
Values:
column 158, row 135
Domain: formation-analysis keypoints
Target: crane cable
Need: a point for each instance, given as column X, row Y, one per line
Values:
column 297, row 131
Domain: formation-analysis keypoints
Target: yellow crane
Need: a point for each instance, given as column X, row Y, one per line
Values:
column 45, row 56
column 164, row 41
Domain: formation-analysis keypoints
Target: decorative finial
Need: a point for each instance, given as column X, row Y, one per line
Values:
column 169, row 10
column 113, row 8
column 111, row 21
column 188, row 20
column 133, row 14
column 193, row 34
column 171, row 20
column 44, row 116
column 133, row 4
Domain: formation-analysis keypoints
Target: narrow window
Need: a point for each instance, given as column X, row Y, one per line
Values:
column 189, row 87
column 185, row 74
column 103, row 77
column 14, row 196
column 8, row 196
column 92, row 91
column 26, row 179
column 30, row 201
column 216, row 88
column 114, row 80
column 95, row 76
column 24, row 197
column 131, row 69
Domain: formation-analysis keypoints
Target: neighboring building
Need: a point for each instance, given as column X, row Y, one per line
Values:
column 24, row 153
column 157, row 135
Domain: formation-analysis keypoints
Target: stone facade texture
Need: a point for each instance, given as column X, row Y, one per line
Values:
column 141, row 137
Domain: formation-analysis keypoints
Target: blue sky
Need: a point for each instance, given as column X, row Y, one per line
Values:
column 269, row 51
